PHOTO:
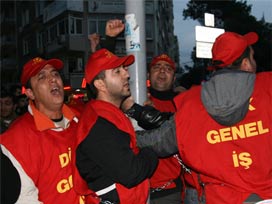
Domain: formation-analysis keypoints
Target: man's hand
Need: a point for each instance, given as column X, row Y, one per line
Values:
column 94, row 41
column 127, row 104
column 149, row 102
column 114, row 27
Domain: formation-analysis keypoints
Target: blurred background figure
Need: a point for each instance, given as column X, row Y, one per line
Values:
column 22, row 103
column 166, row 183
column 7, row 107
column 16, row 90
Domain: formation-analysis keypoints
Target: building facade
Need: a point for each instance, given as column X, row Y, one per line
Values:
column 8, row 42
column 60, row 29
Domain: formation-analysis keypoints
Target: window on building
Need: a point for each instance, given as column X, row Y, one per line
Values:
column 72, row 26
column 7, row 13
column 78, row 26
column 92, row 27
column 39, row 8
column 79, row 67
column 25, row 46
column 75, row 64
column 72, row 63
column 97, row 26
column 39, row 40
column 101, row 27
column 25, row 17
column 75, row 25
column 46, row 37
column 61, row 26
column 148, row 29
column 53, row 33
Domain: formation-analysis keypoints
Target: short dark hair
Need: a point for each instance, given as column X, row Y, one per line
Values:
column 236, row 64
column 91, row 88
column 28, row 85
column 7, row 94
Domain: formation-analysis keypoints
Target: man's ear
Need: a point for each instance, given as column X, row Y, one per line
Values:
column 29, row 93
column 99, row 84
column 246, row 65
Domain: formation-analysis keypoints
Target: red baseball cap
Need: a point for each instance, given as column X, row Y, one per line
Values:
column 163, row 57
column 229, row 46
column 33, row 66
column 103, row 60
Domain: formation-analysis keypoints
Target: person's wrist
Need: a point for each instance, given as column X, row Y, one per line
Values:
column 134, row 111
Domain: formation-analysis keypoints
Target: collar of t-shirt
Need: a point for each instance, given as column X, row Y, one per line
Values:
column 162, row 95
column 42, row 122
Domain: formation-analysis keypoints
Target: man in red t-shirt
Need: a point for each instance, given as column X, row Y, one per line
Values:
column 166, row 183
column 218, row 126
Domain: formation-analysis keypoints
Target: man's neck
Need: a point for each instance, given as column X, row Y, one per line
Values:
column 115, row 102
column 162, row 95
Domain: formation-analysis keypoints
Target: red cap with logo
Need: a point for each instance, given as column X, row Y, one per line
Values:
column 163, row 57
column 229, row 46
column 103, row 60
column 33, row 66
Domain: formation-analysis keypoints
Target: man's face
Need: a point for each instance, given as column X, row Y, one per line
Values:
column 117, row 83
column 161, row 76
column 22, row 102
column 47, row 90
column 7, row 107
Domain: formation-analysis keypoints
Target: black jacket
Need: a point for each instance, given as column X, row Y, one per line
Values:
column 104, row 157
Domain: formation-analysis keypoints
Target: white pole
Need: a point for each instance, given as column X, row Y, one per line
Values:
column 136, row 45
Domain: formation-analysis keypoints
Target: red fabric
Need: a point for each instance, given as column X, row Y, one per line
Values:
column 231, row 168
column 45, row 157
column 33, row 66
column 139, row 193
column 103, row 60
column 229, row 46
column 163, row 57
column 168, row 168
column 135, row 195
column 87, row 120
column 163, row 105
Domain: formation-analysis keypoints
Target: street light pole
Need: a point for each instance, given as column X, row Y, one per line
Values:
column 136, row 45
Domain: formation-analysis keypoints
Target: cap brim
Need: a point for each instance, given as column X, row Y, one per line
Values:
column 125, row 61
column 251, row 38
column 58, row 64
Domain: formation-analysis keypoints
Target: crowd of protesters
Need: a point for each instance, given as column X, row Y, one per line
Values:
column 190, row 152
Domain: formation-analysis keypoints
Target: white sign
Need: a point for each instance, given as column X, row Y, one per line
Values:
column 205, row 37
column 209, row 19
column 204, row 50
column 132, row 33
column 207, row 34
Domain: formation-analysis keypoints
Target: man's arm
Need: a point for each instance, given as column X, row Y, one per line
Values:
column 160, row 129
column 113, row 28
column 106, row 148
column 162, row 140
column 28, row 192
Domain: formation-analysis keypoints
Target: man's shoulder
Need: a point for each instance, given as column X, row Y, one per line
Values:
column 103, row 131
column 20, row 129
column 264, row 80
column 104, row 125
column 105, row 128
column 22, row 122
column 264, row 75
column 193, row 92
